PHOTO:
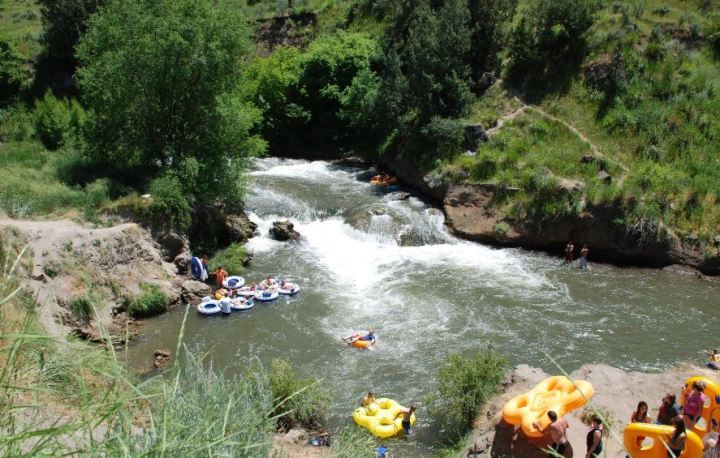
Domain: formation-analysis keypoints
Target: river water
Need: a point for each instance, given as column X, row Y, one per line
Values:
column 369, row 261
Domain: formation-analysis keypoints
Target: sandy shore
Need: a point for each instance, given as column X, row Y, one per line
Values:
column 616, row 392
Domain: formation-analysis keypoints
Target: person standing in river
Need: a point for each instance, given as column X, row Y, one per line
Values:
column 569, row 252
column 582, row 263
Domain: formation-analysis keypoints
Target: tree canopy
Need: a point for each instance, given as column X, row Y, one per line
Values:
column 161, row 80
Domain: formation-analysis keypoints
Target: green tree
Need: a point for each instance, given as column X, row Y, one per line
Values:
column 13, row 77
column 64, row 22
column 161, row 79
column 488, row 19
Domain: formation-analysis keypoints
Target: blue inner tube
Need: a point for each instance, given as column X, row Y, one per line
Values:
column 234, row 282
column 196, row 267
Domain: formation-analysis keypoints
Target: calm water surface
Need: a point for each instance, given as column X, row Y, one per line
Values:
column 367, row 260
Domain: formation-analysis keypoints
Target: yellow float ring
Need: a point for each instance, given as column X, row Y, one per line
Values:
column 660, row 435
column 380, row 419
column 559, row 394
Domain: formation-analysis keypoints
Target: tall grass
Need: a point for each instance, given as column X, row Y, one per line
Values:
column 62, row 397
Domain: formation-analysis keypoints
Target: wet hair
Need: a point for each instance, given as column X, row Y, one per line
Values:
column 671, row 397
column 596, row 419
column 552, row 415
column 641, row 404
column 699, row 385
column 679, row 425
column 413, row 408
column 370, row 393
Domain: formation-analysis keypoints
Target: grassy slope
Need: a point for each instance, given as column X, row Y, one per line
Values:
column 671, row 100
column 20, row 21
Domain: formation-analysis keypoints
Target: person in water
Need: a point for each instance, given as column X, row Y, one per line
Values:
column 569, row 252
column 367, row 399
column 694, row 403
column 676, row 441
column 267, row 283
column 713, row 359
column 406, row 415
column 669, row 410
column 594, row 438
column 558, row 432
column 370, row 336
column 583, row 257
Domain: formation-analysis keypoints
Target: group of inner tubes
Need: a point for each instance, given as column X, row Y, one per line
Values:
column 235, row 296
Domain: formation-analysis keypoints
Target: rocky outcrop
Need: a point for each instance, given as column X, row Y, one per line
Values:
column 192, row 292
column 238, row 228
column 290, row 30
column 284, row 231
column 471, row 215
column 162, row 359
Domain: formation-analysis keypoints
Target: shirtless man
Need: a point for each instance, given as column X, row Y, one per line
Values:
column 368, row 399
column 558, row 432
column 406, row 415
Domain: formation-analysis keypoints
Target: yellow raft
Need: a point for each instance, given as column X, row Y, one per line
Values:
column 656, row 447
column 380, row 417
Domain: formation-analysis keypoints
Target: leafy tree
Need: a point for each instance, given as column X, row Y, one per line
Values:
column 161, row 78
column 488, row 18
column 64, row 22
column 12, row 75
column 57, row 121
column 548, row 41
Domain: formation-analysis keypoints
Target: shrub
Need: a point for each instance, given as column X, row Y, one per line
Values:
column 15, row 124
column 299, row 401
column 231, row 258
column 13, row 78
column 465, row 384
column 56, row 121
column 170, row 206
column 151, row 301
column 81, row 307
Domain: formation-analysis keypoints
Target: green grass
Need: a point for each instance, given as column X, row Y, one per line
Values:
column 494, row 103
column 150, row 302
column 303, row 400
column 20, row 20
column 231, row 258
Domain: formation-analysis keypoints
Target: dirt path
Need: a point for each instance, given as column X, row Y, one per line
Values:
column 524, row 107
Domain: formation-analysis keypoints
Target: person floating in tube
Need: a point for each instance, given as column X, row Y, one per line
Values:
column 369, row 337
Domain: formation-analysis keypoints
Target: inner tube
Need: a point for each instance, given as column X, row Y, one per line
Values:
column 196, row 267
column 290, row 289
column 238, row 305
column 246, row 291
column 266, row 296
column 233, row 282
column 357, row 343
column 209, row 307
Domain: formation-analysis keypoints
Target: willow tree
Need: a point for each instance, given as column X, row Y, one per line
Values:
column 160, row 78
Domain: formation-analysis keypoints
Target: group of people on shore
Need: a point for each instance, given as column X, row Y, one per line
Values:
column 670, row 413
column 570, row 254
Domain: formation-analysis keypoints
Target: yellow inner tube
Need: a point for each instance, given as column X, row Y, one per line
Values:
column 380, row 417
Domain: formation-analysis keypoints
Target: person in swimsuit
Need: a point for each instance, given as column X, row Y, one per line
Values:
column 676, row 442
column 640, row 416
column 220, row 276
column 406, row 416
column 558, row 432
column 583, row 257
column 569, row 252
column 713, row 359
column 694, row 403
column 367, row 399
column 594, row 438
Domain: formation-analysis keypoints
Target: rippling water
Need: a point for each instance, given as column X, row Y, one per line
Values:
column 369, row 261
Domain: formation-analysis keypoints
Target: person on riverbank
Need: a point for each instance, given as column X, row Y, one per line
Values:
column 582, row 262
column 569, row 252
column 220, row 276
column 406, row 415
column 694, row 403
column 676, row 441
column 669, row 410
column 713, row 361
column 558, row 432
column 367, row 399
column 640, row 415
column 594, row 438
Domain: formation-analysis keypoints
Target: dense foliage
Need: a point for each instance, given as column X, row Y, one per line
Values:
column 161, row 81
column 298, row 401
column 465, row 384
column 12, row 75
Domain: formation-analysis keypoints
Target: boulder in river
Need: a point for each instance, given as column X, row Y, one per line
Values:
column 162, row 358
column 399, row 195
column 284, row 231
column 239, row 228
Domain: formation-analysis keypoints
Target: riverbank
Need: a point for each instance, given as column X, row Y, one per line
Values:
column 617, row 394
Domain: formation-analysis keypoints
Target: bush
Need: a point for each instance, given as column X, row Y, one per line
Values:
column 57, row 121
column 299, row 401
column 170, row 205
column 13, row 78
column 231, row 258
column 151, row 301
column 81, row 307
column 464, row 386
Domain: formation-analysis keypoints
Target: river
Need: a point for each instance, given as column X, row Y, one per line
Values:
column 367, row 260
